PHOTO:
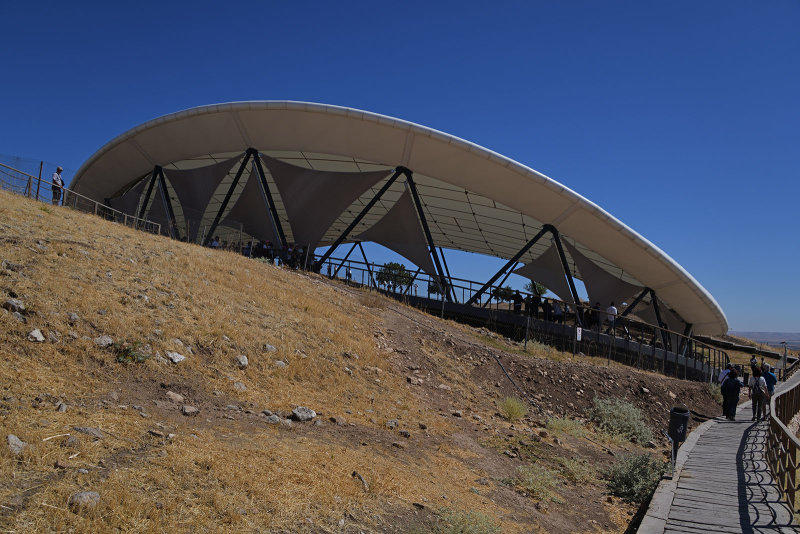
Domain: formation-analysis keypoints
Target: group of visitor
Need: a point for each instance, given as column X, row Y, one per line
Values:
column 294, row 256
column 760, row 388
column 555, row 311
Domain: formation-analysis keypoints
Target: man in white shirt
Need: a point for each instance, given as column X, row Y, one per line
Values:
column 611, row 316
column 57, row 185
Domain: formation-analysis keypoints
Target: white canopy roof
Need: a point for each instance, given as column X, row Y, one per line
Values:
column 474, row 199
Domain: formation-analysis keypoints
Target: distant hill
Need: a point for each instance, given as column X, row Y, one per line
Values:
column 773, row 339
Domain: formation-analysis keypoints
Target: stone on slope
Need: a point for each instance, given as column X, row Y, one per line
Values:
column 14, row 305
column 36, row 336
column 301, row 413
column 84, row 500
column 241, row 361
column 103, row 341
column 16, row 445
column 175, row 357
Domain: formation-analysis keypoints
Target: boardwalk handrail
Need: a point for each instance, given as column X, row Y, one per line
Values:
column 698, row 357
column 22, row 183
column 782, row 445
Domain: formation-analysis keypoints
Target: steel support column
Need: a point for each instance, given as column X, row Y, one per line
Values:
column 398, row 171
column 153, row 178
column 635, row 302
column 567, row 273
column 431, row 245
column 173, row 229
column 684, row 343
column 227, row 199
column 503, row 281
column 366, row 262
column 449, row 276
column 345, row 258
column 273, row 213
column 513, row 261
column 657, row 310
column 408, row 289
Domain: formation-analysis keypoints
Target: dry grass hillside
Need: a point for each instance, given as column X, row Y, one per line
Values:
column 411, row 433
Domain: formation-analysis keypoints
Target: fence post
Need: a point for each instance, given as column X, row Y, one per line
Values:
column 39, row 180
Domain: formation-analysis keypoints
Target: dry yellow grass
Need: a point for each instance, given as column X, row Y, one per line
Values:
column 140, row 288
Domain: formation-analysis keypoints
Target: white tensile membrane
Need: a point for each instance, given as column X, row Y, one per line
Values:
column 400, row 230
column 548, row 271
column 314, row 199
column 602, row 286
column 128, row 202
column 195, row 187
column 251, row 211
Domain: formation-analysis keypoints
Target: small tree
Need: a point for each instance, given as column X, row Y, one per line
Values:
column 394, row 275
column 503, row 293
column 535, row 288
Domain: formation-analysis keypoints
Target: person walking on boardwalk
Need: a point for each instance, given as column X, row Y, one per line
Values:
column 771, row 380
column 757, row 392
column 731, row 388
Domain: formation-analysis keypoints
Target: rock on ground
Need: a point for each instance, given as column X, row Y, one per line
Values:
column 241, row 361
column 189, row 411
column 84, row 500
column 16, row 445
column 175, row 357
column 14, row 305
column 301, row 413
column 177, row 398
column 36, row 336
column 103, row 341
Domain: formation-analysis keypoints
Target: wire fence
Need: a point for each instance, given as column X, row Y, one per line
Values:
column 34, row 187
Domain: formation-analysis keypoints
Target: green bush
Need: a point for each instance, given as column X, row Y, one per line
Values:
column 715, row 392
column 130, row 352
column 565, row 425
column 537, row 480
column 621, row 418
column 635, row 477
column 455, row 522
column 576, row 471
column 512, row 408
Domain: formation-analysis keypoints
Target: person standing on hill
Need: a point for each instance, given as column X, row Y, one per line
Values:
column 57, row 185
column 730, row 389
column 758, row 392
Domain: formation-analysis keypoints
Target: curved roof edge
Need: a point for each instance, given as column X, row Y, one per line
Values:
column 417, row 129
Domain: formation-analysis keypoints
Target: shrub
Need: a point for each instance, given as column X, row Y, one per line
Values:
column 130, row 352
column 635, row 477
column 538, row 480
column 620, row 417
column 715, row 392
column 512, row 408
column 455, row 522
column 576, row 471
column 565, row 425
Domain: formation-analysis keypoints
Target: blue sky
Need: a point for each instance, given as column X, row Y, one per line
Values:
column 680, row 118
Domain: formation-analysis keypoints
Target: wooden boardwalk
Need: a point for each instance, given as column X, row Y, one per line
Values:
column 722, row 485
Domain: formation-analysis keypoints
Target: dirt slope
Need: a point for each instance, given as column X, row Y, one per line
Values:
column 407, row 429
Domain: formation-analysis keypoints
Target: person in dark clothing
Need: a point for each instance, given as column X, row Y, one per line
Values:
column 536, row 301
column 730, row 388
column 517, row 298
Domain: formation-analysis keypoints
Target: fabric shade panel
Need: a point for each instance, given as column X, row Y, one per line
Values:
column 157, row 212
column 314, row 199
column 602, row 286
column 251, row 211
column 401, row 231
column 128, row 202
column 548, row 271
column 195, row 187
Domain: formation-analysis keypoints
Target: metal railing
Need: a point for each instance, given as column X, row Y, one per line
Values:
column 35, row 187
column 626, row 339
column 782, row 444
